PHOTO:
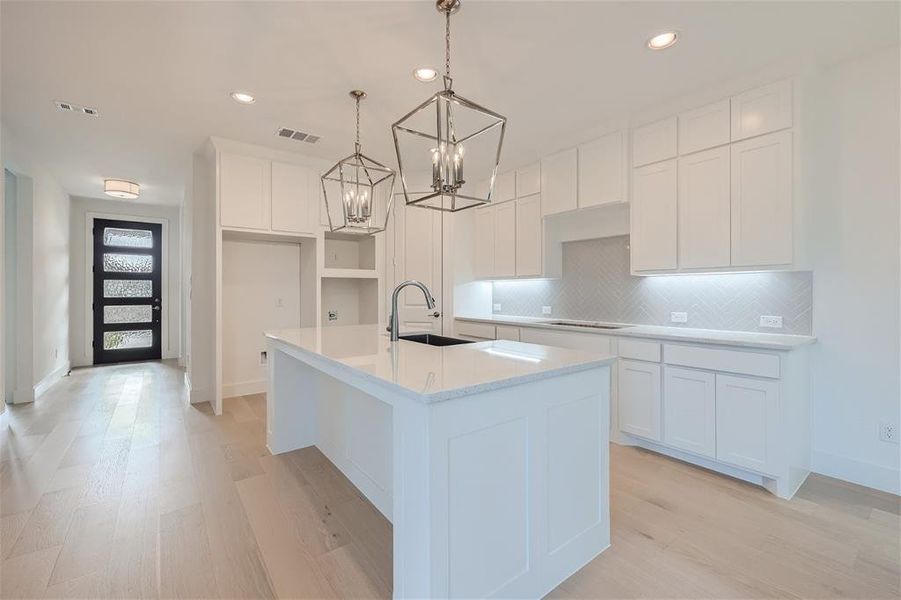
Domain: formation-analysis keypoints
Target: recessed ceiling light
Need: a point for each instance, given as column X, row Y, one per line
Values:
column 425, row 74
column 663, row 40
column 120, row 188
column 243, row 97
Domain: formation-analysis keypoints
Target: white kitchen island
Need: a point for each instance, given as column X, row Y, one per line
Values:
column 490, row 459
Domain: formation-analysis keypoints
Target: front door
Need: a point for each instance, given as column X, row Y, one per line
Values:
column 127, row 291
column 417, row 255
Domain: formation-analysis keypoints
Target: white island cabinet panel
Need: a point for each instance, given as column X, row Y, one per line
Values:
column 654, row 217
column 244, row 191
column 704, row 211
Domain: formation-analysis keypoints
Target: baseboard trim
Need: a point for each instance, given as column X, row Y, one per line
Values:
column 243, row 388
column 862, row 473
column 52, row 377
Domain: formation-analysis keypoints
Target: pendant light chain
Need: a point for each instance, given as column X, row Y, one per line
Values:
column 357, row 98
column 447, row 15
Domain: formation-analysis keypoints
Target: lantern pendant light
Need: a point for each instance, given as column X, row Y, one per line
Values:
column 358, row 190
column 435, row 139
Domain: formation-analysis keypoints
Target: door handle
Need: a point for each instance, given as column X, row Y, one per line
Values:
column 156, row 308
column 435, row 314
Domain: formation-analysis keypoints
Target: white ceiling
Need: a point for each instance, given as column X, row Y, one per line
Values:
column 160, row 72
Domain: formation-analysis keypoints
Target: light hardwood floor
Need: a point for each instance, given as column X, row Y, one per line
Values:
column 111, row 486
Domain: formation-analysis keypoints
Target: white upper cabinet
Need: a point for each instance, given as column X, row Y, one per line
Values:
column 602, row 171
column 483, row 243
column 704, row 226
column 244, row 191
column 294, row 198
column 559, row 181
column 528, row 180
column 505, row 187
column 528, row 236
column 704, row 127
column 654, row 217
column 505, row 241
column 762, row 200
column 654, row 142
column 762, row 110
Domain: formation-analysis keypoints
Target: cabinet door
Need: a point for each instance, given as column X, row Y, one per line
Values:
column 483, row 244
column 762, row 200
column 602, row 171
column 654, row 219
column 528, row 180
column 559, row 182
column 639, row 398
column 528, row 236
column 689, row 410
column 762, row 110
column 505, row 187
column 654, row 142
column 704, row 127
column 746, row 422
column 505, row 239
column 244, row 192
column 294, row 198
column 506, row 332
column 704, row 225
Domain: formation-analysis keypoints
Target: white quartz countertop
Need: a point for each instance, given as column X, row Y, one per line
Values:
column 746, row 339
column 433, row 373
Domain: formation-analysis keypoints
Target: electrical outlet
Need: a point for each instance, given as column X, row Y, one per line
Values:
column 545, row 310
column 333, row 315
column 888, row 432
column 496, row 308
column 280, row 303
column 264, row 358
column 771, row 321
column 678, row 317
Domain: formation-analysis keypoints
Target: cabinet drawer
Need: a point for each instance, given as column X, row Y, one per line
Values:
column 639, row 350
column 758, row 364
column 506, row 332
column 566, row 339
column 476, row 330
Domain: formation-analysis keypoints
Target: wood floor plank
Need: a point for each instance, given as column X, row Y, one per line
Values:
column 49, row 522
column 87, row 547
column 185, row 558
column 26, row 575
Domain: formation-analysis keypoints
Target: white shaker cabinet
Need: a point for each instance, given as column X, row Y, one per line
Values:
column 704, row 210
column 762, row 110
column 602, row 171
column 529, row 251
column 559, row 181
column 483, row 242
column 528, row 180
column 762, row 200
column 654, row 217
column 505, row 241
column 747, row 420
column 689, row 410
column 704, row 127
column 504, row 187
column 639, row 398
column 654, row 142
column 244, row 191
column 294, row 198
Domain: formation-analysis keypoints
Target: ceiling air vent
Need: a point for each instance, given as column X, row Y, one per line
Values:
column 296, row 135
column 70, row 107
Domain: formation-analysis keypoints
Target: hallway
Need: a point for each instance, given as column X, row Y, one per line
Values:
column 112, row 486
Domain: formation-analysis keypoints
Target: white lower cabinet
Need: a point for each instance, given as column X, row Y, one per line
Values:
column 639, row 398
column 747, row 413
column 689, row 410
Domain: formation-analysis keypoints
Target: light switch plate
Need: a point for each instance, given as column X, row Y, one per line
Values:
column 545, row 310
column 771, row 321
column 678, row 317
column 496, row 308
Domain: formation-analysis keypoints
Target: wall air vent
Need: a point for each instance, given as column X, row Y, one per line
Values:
column 299, row 136
column 77, row 108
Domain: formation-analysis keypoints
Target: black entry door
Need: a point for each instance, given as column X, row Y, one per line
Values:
column 127, row 291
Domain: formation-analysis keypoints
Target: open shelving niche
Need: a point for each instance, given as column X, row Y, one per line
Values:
column 350, row 281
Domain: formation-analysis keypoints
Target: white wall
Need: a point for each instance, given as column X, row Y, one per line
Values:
column 80, row 317
column 48, row 204
column 260, row 290
column 855, row 254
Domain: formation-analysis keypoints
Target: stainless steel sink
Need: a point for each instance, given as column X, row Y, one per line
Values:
column 588, row 325
column 433, row 340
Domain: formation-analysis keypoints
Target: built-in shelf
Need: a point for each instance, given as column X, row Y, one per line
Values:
column 349, row 274
column 348, row 252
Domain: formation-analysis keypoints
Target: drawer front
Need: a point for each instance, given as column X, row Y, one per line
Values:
column 476, row 330
column 758, row 364
column 567, row 339
column 505, row 332
column 639, row 350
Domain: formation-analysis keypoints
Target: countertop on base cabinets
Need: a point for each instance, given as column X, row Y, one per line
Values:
column 430, row 373
column 744, row 339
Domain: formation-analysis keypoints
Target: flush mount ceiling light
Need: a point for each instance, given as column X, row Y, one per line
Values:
column 242, row 97
column 358, row 190
column 430, row 150
column 663, row 40
column 120, row 188
column 425, row 74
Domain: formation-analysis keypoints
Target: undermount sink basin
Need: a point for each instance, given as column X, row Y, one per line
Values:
column 433, row 340
column 588, row 325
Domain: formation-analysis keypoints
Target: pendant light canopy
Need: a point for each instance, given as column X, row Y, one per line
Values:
column 442, row 135
column 358, row 190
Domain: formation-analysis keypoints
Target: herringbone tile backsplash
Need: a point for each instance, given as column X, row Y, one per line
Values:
column 597, row 286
